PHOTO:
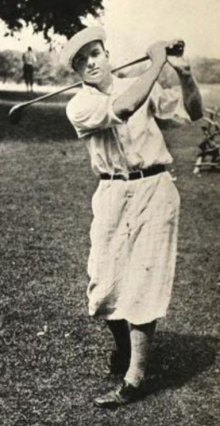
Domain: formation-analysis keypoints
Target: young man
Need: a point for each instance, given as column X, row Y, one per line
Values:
column 136, row 206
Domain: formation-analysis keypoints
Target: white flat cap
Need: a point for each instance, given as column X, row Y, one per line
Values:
column 79, row 40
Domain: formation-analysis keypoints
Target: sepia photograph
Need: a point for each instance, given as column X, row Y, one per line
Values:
column 109, row 213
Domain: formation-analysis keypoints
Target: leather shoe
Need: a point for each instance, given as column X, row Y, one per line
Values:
column 123, row 394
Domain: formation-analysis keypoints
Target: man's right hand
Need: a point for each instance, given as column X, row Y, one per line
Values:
column 157, row 52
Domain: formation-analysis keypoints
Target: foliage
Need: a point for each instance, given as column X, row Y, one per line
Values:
column 47, row 69
column 62, row 16
column 207, row 70
column 10, row 63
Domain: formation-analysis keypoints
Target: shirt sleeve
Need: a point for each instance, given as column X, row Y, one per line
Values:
column 168, row 104
column 93, row 112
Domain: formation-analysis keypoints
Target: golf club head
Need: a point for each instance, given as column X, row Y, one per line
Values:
column 15, row 114
column 176, row 48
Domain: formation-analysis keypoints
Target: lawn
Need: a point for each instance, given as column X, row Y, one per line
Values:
column 52, row 355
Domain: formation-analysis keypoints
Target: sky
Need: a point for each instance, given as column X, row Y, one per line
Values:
column 21, row 40
column 132, row 25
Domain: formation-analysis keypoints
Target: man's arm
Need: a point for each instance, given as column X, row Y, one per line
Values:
column 190, row 92
column 135, row 96
column 34, row 58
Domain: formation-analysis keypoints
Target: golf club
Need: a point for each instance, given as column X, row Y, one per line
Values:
column 175, row 48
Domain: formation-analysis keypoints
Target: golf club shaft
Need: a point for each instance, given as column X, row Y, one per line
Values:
column 75, row 85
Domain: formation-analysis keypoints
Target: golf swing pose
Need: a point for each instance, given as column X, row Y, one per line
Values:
column 136, row 205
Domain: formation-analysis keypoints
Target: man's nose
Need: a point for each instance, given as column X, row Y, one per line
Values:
column 90, row 62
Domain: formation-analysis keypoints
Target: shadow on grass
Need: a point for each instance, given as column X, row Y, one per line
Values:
column 22, row 96
column 177, row 359
column 44, row 121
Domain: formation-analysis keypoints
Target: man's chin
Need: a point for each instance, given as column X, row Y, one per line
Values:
column 94, row 79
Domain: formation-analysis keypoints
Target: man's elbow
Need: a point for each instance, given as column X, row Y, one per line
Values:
column 196, row 114
column 123, row 112
column 125, row 107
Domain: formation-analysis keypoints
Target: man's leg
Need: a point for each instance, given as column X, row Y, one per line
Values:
column 141, row 337
column 119, row 360
column 31, row 79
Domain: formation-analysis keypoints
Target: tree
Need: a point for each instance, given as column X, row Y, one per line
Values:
column 62, row 16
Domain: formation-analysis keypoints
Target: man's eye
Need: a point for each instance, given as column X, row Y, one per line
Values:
column 80, row 61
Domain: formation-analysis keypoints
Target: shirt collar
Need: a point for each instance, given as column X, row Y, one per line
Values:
column 92, row 89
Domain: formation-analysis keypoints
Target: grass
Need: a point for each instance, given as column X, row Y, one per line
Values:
column 52, row 355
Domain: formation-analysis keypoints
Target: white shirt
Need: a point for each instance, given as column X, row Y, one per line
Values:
column 118, row 146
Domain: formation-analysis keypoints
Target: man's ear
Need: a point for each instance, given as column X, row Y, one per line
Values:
column 107, row 54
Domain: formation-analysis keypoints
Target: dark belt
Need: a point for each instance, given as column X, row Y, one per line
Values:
column 137, row 174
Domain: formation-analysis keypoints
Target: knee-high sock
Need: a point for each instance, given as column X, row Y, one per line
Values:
column 141, row 338
column 121, row 335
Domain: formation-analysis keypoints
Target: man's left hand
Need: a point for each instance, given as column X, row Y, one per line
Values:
column 180, row 65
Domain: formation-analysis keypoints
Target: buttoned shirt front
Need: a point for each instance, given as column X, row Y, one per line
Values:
column 118, row 146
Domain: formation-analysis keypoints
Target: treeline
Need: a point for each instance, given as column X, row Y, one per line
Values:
column 205, row 70
column 48, row 70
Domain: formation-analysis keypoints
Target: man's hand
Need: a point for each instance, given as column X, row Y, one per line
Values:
column 160, row 50
column 175, row 48
column 157, row 52
column 180, row 65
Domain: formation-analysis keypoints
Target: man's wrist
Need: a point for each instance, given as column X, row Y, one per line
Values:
column 157, row 65
column 184, row 72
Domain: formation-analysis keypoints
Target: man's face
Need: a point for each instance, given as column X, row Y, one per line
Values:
column 91, row 63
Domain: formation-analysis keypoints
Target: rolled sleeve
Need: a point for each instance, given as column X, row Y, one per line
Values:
column 168, row 104
column 91, row 112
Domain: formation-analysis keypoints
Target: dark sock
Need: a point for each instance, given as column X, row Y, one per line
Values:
column 121, row 334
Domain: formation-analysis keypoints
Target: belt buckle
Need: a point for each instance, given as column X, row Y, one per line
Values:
column 119, row 176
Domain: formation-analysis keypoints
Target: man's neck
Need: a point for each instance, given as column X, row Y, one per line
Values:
column 104, row 86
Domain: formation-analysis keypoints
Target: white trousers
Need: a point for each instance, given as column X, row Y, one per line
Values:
column 133, row 248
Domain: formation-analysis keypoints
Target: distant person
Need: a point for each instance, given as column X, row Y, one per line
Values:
column 29, row 60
